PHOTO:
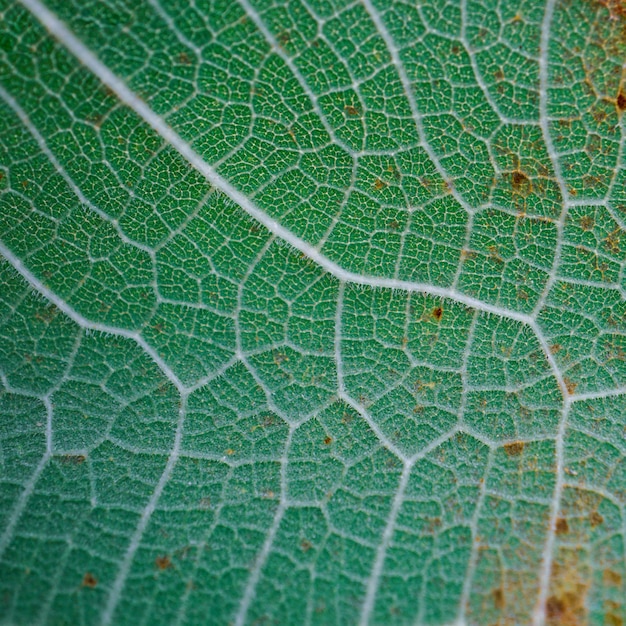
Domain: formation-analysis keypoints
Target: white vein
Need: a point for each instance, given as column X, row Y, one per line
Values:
column 128, row 97
column 547, row 553
column 124, row 569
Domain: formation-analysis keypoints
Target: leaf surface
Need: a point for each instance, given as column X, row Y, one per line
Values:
column 312, row 312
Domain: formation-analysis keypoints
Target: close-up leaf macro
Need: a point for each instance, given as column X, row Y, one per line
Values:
column 312, row 312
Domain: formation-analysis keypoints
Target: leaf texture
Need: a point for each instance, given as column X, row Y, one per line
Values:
column 312, row 312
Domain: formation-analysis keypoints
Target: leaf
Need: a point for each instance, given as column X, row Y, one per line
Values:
column 312, row 312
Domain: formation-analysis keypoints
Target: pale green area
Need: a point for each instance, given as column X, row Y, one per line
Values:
column 200, row 424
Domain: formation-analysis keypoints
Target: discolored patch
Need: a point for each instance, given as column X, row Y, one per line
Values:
column 562, row 527
column 569, row 585
column 520, row 183
column 498, row 598
column 163, row 562
column 621, row 101
column 570, row 386
column 89, row 580
column 595, row 519
column 515, row 448
column 438, row 313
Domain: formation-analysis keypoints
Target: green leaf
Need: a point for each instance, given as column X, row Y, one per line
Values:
column 312, row 312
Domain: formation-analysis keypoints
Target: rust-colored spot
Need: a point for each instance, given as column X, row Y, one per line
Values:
column 352, row 111
column 611, row 577
column 183, row 58
column 498, row 599
column 163, row 562
column 230, row 451
column 570, row 385
column 284, row 38
column 562, row 527
column 72, row 459
column 613, row 615
column 595, row 519
column 328, row 440
column 612, row 241
column 438, row 313
column 567, row 603
column 379, row 184
column 89, row 580
column 47, row 314
column 621, row 101
column 555, row 347
column 394, row 225
column 520, row 183
column 305, row 545
column 515, row 448
column 587, row 222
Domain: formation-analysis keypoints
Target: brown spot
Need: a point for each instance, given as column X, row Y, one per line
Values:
column 379, row 184
column 163, row 562
column 520, row 183
column 89, row 580
column 587, row 222
column 230, row 451
column 328, row 440
column 284, row 38
column 183, row 58
column 621, row 101
column 305, row 545
column 47, row 314
column 612, row 241
column 566, row 605
column 515, row 448
column 562, row 527
column 352, row 111
column 612, row 617
column 498, row 599
column 72, row 459
column 595, row 519
column 570, row 385
column 612, row 578
column 438, row 313
column 555, row 347
column 205, row 503
column 394, row 225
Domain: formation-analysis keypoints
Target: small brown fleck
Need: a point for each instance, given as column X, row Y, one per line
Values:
column 284, row 38
column 515, row 448
column 394, row 225
column 328, row 440
column 183, row 58
column 163, row 562
column 562, row 527
column 621, row 101
column 73, row 459
column 379, row 184
column 352, row 111
column 555, row 347
column 89, row 580
column 587, row 222
column 305, row 545
column 438, row 313
column 595, row 519
column 570, row 385
column 498, row 599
